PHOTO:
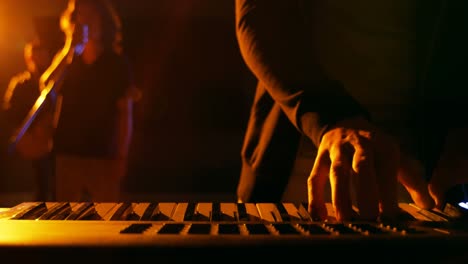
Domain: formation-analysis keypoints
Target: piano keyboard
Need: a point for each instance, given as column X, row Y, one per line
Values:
column 215, row 225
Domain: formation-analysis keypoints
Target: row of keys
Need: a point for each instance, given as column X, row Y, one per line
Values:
column 164, row 211
column 325, row 229
column 183, row 212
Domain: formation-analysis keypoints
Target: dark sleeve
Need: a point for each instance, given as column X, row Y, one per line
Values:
column 124, row 76
column 277, row 48
column 24, row 95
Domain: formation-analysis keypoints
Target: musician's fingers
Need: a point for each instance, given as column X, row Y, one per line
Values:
column 411, row 176
column 340, row 176
column 316, row 184
column 437, row 189
column 366, row 183
column 387, row 159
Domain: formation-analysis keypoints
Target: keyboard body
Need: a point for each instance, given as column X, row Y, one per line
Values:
column 221, row 231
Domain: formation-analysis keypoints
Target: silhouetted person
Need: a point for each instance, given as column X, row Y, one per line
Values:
column 18, row 100
column 94, row 110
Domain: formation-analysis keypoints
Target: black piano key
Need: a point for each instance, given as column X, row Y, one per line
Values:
column 314, row 229
column 62, row 214
column 371, row 229
column 135, row 229
column 171, row 229
column 343, row 229
column 200, row 229
column 148, row 212
column 54, row 210
column 197, row 216
column 228, row 229
column 285, row 217
column 90, row 214
column 82, row 211
column 412, row 231
column 307, row 217
column 257, row 229
column 403, row 227
column 306, row 206
column 158, row 215
column 190, row 212
column 403, row 216
column 123, row 212
column 286, row 229
column 216, row 214
column 242, row 212
column 32, row 212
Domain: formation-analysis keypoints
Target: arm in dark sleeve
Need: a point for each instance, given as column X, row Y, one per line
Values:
column 125, row 106
column 278, row 50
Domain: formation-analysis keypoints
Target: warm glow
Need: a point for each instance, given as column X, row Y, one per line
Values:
column 28, row 50
column 11, row 88
column 48, row 79
column 64, row 55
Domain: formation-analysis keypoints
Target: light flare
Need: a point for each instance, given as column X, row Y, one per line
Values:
column 48, row 80
column 65, row 55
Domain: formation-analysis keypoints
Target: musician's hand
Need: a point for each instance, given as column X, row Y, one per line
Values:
column 355, row 153
column 411, row 174
column 452, row 167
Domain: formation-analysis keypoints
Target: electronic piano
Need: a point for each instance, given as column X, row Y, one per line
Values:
column 130, row 232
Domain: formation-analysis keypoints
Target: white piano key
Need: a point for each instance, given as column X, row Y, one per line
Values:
column 422, row 214
column 50, row 205
column 17, row 209
column 331, row 215
column 139, row 209
column 168, row 210
column 269, row 212
column 252, row 212
column 229, row 211
column 203, row 211
column 179, row 212
column 413, row 211
column 107, row 210
column 83, row 210
column 124, row 211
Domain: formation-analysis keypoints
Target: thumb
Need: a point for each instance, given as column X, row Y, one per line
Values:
column 437, row 192
column 411, row 176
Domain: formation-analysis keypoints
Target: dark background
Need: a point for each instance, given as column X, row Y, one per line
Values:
column 196, row 94
column 197, row 90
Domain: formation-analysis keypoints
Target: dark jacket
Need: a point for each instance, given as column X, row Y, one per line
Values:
column 295, row 98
